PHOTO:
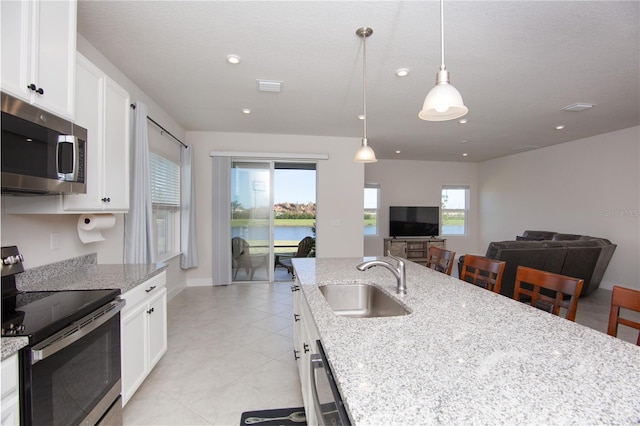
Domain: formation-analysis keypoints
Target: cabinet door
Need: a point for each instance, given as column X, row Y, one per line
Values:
column 90, row 83
column 134, row 350
column 157, row 317
column 116, row 148
column 16, row 48
column 397, row 248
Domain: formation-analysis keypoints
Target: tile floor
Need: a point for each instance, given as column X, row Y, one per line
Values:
column 230, row 350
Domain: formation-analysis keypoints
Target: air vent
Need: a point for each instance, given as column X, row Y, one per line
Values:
column 269, row 86
column 578, row 107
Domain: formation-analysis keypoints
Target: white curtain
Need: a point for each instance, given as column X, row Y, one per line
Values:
column 138, row 226
column 188, row 241
column 221, row 212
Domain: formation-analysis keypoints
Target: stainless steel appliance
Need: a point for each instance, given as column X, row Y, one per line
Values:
column 41, row 153
column 70, row 370
column 328, row 403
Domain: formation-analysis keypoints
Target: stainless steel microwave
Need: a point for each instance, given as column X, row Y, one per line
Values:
column 41, row 152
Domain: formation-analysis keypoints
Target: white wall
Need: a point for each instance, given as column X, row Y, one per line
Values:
column 589, row 186
column 419, row 183
column 340, row 196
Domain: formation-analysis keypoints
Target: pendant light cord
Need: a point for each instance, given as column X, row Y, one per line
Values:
column 364, row 82
column 442, row 65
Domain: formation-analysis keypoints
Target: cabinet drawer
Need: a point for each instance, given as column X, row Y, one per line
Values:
column 9, row 375
column 144, row 291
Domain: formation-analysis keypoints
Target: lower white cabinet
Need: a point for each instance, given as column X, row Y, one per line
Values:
column 305, row 335
column 143, row 332
column 10, row 396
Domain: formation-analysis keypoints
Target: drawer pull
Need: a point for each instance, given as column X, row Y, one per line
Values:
column 295, row 355
column 296, row 317
column 306, row 347
column 150, row 311
column 150, row 288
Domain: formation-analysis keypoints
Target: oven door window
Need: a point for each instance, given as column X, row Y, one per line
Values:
column 67, row 385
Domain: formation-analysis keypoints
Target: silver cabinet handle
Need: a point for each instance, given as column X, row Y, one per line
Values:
column 316, row 362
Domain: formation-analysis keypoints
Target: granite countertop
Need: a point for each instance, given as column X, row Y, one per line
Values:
column 81, row 273
column 467, row 356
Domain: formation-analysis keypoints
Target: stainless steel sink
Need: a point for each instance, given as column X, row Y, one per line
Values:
column 361, row 301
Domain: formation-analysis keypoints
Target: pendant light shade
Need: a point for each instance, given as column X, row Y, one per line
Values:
column 364, row 154
column 443, row 102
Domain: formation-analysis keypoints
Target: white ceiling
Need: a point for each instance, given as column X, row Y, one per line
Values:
column 516, row 63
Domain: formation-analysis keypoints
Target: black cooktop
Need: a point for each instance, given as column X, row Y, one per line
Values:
column 38, row 315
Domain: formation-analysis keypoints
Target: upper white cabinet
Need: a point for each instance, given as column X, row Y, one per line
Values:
column 103, row 108
column 38, row 53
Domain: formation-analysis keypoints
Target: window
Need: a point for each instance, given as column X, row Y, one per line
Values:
column 165, row 200
column 455, row 210
column 371, row 208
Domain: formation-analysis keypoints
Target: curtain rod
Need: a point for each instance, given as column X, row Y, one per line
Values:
column 163, row 129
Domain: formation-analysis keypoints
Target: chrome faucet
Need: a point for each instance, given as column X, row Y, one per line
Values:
column 398, row 271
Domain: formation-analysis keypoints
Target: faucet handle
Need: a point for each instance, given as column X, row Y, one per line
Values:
column 397, row 259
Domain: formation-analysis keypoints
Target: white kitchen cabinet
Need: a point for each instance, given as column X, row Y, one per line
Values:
column 103, row 108
column 143, row 332
column 10, row 396
column 38, row 53
column 305, row 335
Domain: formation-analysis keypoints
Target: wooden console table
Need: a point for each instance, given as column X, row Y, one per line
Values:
column 413, row 249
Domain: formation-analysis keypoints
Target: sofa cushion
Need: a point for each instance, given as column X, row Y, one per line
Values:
column 538, row 235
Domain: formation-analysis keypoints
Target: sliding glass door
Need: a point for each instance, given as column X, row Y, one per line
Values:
column 273, row 206
column 251, row 221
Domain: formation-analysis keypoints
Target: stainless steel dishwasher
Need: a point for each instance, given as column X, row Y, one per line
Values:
column 328, row 403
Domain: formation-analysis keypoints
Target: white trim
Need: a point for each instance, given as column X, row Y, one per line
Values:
column 269, row 155
column 200, row 282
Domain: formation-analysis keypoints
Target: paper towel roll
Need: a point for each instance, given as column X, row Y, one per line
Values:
column 90, row 226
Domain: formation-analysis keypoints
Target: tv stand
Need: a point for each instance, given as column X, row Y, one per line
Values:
column 414, row 249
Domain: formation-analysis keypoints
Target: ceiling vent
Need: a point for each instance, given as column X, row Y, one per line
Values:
column 578, row 107
column 269, row 86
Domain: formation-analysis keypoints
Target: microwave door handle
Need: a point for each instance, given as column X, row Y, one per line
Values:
column 72, row 176
column 316, row 362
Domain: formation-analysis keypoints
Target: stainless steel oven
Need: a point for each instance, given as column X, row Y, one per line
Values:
column 328, row 403
column 70, row 369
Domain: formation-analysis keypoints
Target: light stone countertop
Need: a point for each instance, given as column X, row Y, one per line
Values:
column 80, row 273
column 467, row 356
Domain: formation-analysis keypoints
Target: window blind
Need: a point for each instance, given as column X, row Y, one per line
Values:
column 165, row 182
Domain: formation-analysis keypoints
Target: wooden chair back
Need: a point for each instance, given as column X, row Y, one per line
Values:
column 626, row 298
column 440, row 260
column 483, row 272
column 530, row 281
column 304, row 247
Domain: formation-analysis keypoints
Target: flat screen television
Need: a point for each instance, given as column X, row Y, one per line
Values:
column 416, row 221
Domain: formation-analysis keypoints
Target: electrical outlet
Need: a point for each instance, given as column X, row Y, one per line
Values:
column 55, row 241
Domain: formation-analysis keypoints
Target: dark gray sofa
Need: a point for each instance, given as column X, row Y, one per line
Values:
column 579, row 256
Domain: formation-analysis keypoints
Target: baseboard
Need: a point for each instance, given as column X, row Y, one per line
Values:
column 200, row 282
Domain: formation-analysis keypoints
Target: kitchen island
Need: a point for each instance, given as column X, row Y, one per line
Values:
column 465, row 355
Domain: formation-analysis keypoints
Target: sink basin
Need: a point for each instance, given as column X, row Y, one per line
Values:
column 361, row 301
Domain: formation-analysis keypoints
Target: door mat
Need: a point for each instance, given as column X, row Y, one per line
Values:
column 280, row 416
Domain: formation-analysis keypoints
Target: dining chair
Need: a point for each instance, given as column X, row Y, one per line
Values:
column 440, row 259
column 483, row 272
column 548, row 291
column 625, row 298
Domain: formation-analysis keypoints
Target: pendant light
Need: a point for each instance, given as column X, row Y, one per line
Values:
column 443, row 102
column 364, row 154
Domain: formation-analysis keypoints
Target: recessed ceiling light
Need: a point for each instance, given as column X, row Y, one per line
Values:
column 464, row 141
column 398, row 151
column 233, row 59
column 361, row 117
column 246, row 111
column 402, row 72
column 464, row 154
column 463, row 121
column 560, row 127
